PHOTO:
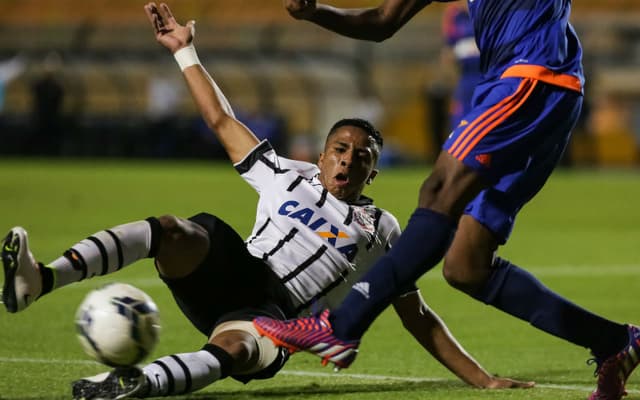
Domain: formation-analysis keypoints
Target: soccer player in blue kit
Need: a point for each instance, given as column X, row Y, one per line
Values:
column 494, row 162
column 460, row 51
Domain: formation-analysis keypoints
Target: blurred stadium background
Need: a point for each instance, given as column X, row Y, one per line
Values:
column 108, row 90
column 86, row 78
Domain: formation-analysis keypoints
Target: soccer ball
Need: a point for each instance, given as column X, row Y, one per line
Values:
column 118, row 324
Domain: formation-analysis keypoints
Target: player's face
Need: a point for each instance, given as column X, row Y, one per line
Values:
column 348, row 162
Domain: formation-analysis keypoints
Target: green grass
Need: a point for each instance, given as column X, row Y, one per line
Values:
column 581, row 236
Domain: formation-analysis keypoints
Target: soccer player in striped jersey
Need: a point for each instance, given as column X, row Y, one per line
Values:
column 314, row 233
column 496, row 159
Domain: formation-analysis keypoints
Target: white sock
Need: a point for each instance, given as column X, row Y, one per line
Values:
column 181, row 373
column 102, row 253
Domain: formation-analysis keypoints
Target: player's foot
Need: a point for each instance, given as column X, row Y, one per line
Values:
column 613, row 372
column 312, row 334
column 117, row 384
column 22, row 279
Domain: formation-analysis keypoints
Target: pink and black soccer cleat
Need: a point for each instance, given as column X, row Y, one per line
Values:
column 613, row 372
column 118, row 384
column 312, row 334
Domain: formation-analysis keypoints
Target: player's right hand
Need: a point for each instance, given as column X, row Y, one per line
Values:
column 168, row 32
column 300, row 9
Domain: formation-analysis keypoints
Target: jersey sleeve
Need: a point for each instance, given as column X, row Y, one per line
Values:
column 259, row 166
column 391, row 229
column 262, row 166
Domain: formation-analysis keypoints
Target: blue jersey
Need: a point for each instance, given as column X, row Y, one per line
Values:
column 514, row 34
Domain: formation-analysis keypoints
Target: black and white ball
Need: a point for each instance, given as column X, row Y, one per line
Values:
column 118, row 324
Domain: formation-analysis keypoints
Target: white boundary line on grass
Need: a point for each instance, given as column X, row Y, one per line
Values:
column 427, row 379
column 367, row 377
column 553, row 271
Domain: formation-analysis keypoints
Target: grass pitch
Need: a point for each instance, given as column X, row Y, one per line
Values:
column 581, row 236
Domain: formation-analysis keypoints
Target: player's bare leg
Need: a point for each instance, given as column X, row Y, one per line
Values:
column 235, row 348
column 179, row 244
column 470, row 266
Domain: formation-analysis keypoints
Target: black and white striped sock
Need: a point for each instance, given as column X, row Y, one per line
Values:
column 186, row 372
column 104, row 252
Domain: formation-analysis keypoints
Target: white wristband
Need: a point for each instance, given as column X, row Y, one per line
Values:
column 186, row 57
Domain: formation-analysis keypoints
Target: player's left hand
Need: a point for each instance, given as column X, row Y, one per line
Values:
column 506, row 383
column 168, row 32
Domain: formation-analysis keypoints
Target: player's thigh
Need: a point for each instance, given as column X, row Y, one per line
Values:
column 228, row 278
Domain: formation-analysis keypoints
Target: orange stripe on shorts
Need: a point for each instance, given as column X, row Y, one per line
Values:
column 488, row 120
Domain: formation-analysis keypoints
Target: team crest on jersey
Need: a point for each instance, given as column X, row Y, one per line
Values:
column 365, row 218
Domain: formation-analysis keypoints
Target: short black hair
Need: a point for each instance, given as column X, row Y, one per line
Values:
column 362, row 124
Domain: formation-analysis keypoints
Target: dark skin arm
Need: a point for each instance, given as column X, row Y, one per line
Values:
column 236, row 138
column 374, row 23
column 434, row 336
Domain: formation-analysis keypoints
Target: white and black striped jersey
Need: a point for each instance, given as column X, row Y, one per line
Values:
column 312, row 241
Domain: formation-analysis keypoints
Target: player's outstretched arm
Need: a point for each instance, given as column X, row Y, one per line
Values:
column 374, row 23
column 236, row 138
column 431, row 332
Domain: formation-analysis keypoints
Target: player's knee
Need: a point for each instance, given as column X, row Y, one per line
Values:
column 240, row 345
column 451, row 274
column 172, row 226
column 173, row 232
column 250, row 351
column 183, row 246
column 462, row 272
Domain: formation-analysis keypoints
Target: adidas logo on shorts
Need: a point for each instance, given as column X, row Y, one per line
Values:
column 363, row 288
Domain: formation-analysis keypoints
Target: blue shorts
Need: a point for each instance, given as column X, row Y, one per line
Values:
column 514, row 137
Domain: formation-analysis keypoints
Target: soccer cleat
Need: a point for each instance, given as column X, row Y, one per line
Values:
column 312, row 334
column 613, row 372
column 117, row 384
column 22, row 279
